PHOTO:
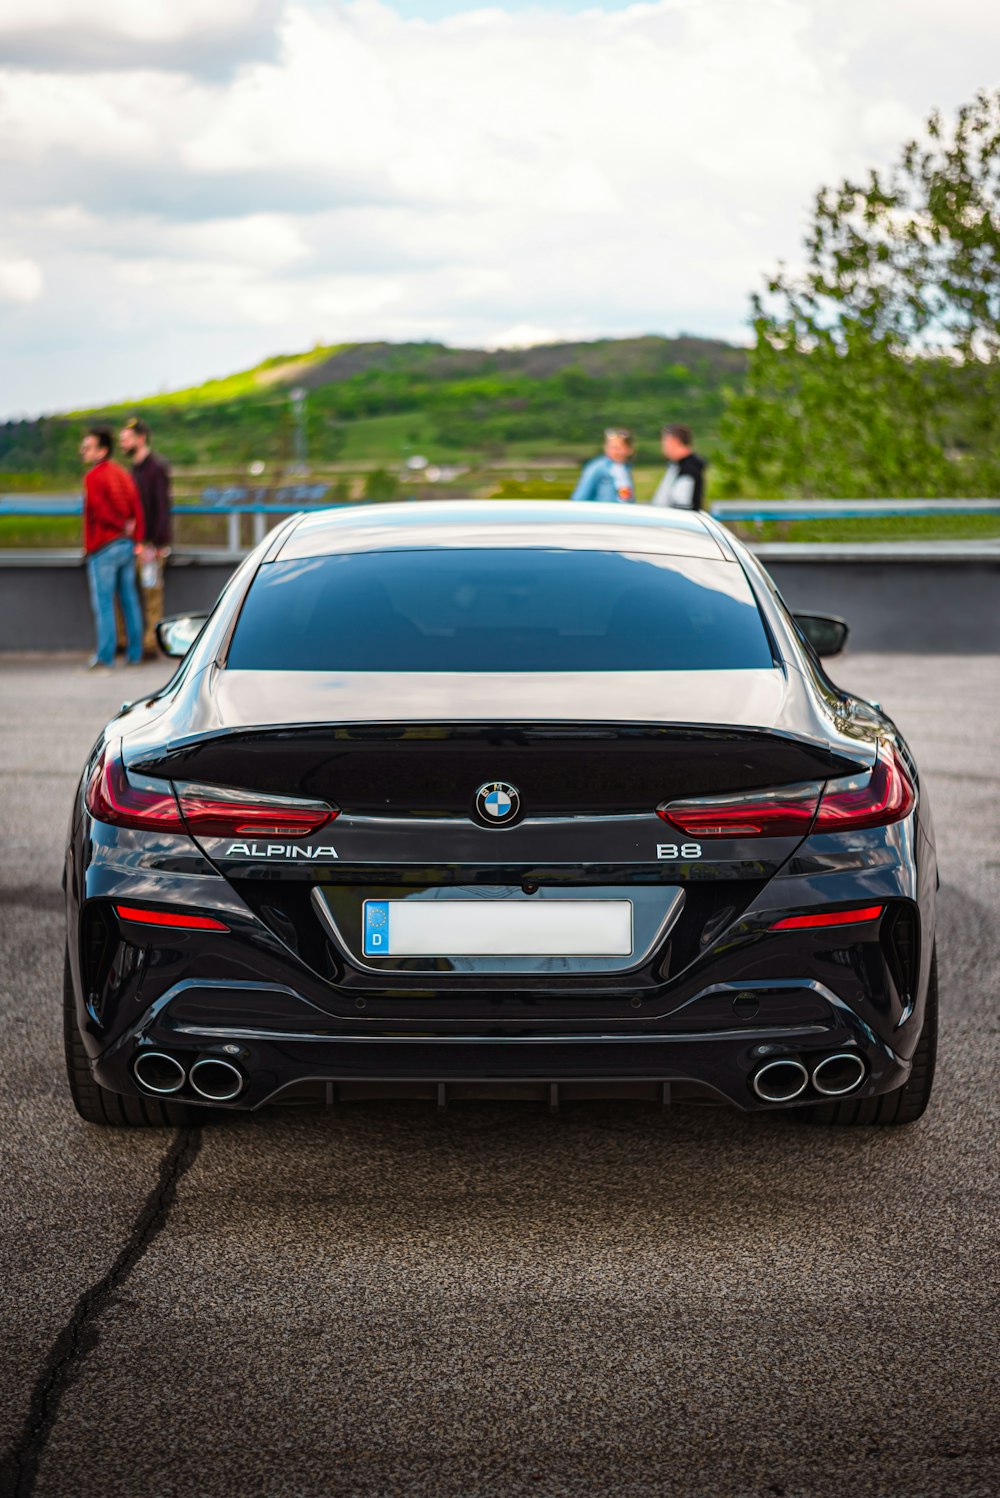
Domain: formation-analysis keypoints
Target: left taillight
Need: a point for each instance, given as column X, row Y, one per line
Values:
column 112, row 796
column 217, row 811
column 129, row 800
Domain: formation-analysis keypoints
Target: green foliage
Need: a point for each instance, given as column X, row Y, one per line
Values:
column 64, row 531
column 381, row 484
column 876, row 370
column 863, row 530
column 29, row 482
column 541, row 487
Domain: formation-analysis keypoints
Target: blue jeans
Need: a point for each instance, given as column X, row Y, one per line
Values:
column 109, row 571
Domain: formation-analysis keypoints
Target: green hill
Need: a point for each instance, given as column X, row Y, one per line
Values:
column 381, row 401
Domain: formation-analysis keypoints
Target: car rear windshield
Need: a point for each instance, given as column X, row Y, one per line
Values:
column 499, row 610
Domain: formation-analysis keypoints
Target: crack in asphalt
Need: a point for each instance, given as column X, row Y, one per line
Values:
column 80, row 1335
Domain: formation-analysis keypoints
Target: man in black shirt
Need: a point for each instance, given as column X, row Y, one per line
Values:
column 152, row 479
column 682, row 487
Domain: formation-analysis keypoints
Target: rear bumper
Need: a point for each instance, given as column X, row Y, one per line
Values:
column 292, row 1057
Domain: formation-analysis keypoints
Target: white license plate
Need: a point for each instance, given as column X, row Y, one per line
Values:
column 497, row 928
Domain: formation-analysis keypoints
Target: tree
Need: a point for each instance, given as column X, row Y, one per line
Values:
column 381, row 484
column 876, row 368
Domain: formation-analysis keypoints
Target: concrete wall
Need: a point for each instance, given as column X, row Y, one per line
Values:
column 925, row 607
column 930, row 608
column 47, row 606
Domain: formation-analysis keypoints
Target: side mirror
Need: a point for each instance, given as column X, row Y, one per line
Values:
column 825, row 632
column 177, row 634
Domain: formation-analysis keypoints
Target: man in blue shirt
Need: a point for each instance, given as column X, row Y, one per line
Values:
column 608, row 479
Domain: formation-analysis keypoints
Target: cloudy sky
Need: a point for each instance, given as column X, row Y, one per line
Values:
column 188, row 187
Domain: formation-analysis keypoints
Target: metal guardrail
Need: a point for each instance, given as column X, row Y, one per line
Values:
column 235, row 501
column 287, row 498
column 232, row 502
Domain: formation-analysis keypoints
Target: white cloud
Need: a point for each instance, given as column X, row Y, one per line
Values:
column 364, row 175
column 74, row 35
column 886, row 123
column 525, row 335
column 21, row 280
column 95, row 120
column 146, row 20
column 266, row 241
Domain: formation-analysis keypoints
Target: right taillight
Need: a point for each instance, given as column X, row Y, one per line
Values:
column 874, row 798
column 883, row 795
column 785, row 812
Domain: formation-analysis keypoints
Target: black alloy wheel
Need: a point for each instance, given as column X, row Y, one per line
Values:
column 906, row 1104
column 111, row 1109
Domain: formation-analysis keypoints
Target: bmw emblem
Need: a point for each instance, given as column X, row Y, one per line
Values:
column 497, row 803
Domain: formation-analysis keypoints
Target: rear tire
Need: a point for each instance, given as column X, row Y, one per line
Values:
column 906, row 1103
column 95, row 1103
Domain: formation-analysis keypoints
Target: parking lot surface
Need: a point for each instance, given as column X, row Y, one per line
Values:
column 379, row 1299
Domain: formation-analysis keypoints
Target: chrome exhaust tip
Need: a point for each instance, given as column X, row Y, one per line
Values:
column 158, row 1072
column 835, row 1075
column 780, row 1081
column 216, row 1080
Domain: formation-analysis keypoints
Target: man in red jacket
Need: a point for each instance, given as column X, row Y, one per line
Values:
column 113, row 526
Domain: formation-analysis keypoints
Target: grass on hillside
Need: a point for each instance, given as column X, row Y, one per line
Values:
column 280, row 367
column 371, row 439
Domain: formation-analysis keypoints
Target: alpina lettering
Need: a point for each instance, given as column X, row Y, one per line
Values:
column 278, row 850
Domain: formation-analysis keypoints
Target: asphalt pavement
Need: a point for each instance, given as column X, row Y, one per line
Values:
column 380, row 1300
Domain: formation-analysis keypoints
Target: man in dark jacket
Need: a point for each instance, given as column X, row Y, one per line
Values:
column 152, row 479
column 113, row 526
column 682, row 487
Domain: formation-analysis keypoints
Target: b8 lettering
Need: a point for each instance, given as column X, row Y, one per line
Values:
column 678, row 850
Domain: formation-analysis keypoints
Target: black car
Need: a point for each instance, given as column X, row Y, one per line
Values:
column 501, row 799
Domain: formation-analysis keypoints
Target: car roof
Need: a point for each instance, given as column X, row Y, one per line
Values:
column 559, row 525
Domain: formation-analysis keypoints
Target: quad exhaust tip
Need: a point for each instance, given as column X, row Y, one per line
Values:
column 159, row 1073
column 780, row 1081
column 838, row 1074
column 216, row 1080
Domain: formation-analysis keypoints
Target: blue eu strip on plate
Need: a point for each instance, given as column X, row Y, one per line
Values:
column 376, row 928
